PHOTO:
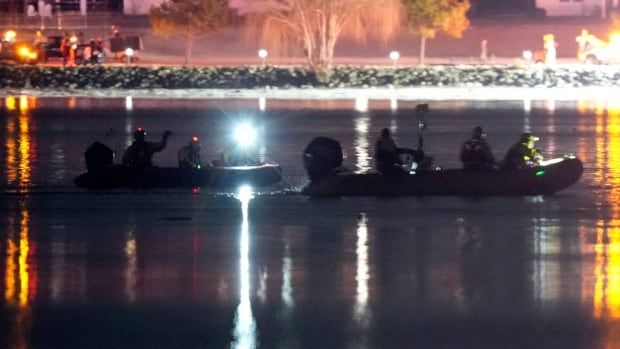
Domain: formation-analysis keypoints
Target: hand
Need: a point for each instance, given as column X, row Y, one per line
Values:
column 167, row 134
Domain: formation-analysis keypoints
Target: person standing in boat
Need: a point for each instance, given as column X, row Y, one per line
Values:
column 387, row 154
column 140, row 153
column 189, row 154
column 523, row 153
column 476, row 153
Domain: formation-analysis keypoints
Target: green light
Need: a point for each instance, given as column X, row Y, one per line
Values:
column 540, row 173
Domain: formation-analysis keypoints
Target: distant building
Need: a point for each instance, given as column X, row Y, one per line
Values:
column 598, row 8
column 139, row 7
column 64, row 6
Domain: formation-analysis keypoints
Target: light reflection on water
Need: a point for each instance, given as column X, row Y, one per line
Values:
column 244, row 331
column 20, row 277
column 413, row 254
column 362, row 144
column 362, row 274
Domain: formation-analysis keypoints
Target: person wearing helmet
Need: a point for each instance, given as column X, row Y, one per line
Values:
column 140, row 153
column 523, row 153
column 476, row 153
column 189, row 154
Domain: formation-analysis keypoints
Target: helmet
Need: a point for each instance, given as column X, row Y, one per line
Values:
column 195, row 142
column 140, row 134
column 527, row 137
column 477, row 132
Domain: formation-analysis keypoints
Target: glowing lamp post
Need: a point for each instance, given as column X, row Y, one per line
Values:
column 394, row 56
column 262, row 54
column 527, row 56
column 128, row 54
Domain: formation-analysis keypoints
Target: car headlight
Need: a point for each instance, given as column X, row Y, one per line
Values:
column 23, row 52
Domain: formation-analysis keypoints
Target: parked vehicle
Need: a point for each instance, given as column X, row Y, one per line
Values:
column 20, row 52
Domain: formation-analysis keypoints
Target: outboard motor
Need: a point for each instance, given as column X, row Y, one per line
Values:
column 321, row 156
column 98, row 156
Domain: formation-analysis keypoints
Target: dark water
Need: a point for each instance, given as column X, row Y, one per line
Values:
column 183, row 269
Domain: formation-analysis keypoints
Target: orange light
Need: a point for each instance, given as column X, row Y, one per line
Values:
column 9, row 102
column 195, row 139
column 23, row 103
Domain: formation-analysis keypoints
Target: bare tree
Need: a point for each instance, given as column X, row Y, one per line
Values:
column 427, row 17
column 316, row 25
column 188, row 19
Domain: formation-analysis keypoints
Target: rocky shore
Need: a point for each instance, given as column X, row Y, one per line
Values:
column 273, row 77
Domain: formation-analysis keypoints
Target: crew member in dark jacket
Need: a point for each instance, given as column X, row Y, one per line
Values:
column 387, row 154
column 476, row 153
column 140, row 153
column 189, row 154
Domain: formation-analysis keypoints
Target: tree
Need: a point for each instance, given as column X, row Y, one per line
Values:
column 427, row 17
column 316, row 25
column 188, row 19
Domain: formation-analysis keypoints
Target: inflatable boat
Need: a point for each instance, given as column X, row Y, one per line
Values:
column 103, row 173
column 323, row 158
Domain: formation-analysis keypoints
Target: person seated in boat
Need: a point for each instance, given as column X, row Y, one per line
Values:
column 476, row 153
column 523, row 153
column 387, row 154
column 234, row 156
column 140, row 153
column 189, row 154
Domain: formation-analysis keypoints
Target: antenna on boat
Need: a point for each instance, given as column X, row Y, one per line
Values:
column 421, row 109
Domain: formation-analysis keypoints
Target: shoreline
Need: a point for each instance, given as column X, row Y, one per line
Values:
column 597, row 93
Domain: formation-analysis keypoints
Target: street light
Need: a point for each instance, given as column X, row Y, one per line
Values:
column 128, row 54
column 394, row 56
column 262, row 54
column 527, row 55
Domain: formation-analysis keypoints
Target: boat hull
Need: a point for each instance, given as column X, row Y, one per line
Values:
column 118, row 176
column 539, row 180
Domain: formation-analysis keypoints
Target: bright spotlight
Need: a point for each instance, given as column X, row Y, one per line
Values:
column 244, row 193
column 245, row 134
column 528, row 55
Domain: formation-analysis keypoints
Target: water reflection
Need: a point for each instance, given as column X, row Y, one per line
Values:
column 58, row 266
column 546, row 243
column 527, row 111
column 128, row 103
column 287, row 266
column 607, row 247
column 244, row 331
column 606, row 273
column 18, row 144
column 362, row 275
column 362, row 143
column 20, row 277
column 393, row 104
column 262, row 103
column 131, row 269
